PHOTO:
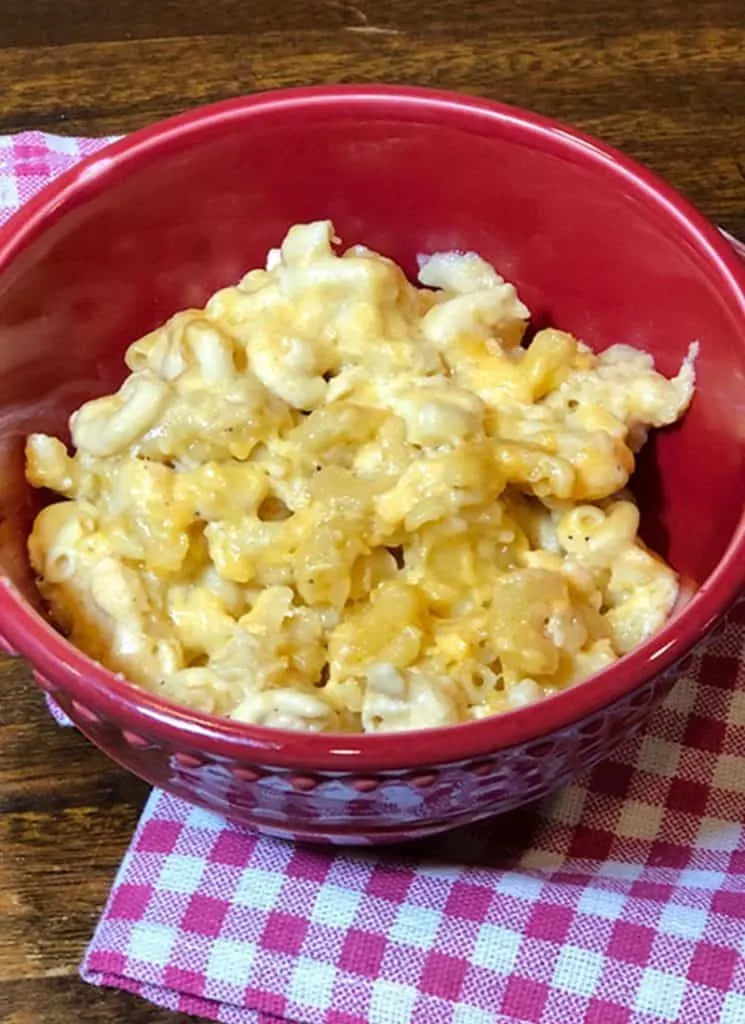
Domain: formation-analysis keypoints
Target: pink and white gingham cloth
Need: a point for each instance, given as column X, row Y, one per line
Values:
column 620, row 900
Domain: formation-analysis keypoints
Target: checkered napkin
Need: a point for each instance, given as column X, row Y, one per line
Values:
column 621, row 899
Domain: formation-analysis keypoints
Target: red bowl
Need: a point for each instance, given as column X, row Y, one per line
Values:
column 596, row 245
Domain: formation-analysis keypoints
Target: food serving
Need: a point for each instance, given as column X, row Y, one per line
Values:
column 333, row 500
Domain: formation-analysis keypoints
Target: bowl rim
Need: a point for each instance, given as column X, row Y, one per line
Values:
column 112, row 698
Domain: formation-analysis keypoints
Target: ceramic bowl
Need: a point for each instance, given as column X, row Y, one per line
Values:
column 596, row 245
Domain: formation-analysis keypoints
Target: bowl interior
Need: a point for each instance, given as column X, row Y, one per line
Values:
column 158, row 228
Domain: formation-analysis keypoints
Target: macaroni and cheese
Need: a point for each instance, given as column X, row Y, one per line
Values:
column 333, row 500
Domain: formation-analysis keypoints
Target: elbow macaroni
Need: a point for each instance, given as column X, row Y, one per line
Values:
column 333, row 500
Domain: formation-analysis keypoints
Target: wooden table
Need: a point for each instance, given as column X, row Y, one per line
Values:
column 664, row 80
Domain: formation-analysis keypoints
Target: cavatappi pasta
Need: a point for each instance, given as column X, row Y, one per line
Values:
column 333, row 500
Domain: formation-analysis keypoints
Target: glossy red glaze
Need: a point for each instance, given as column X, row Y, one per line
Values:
column 596, row 245
column 134, row 740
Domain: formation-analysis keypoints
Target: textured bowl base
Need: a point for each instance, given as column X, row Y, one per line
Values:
column 386, row 836
column 375, row 809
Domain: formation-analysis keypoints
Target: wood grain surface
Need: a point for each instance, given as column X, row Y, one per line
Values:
column 664, row 80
